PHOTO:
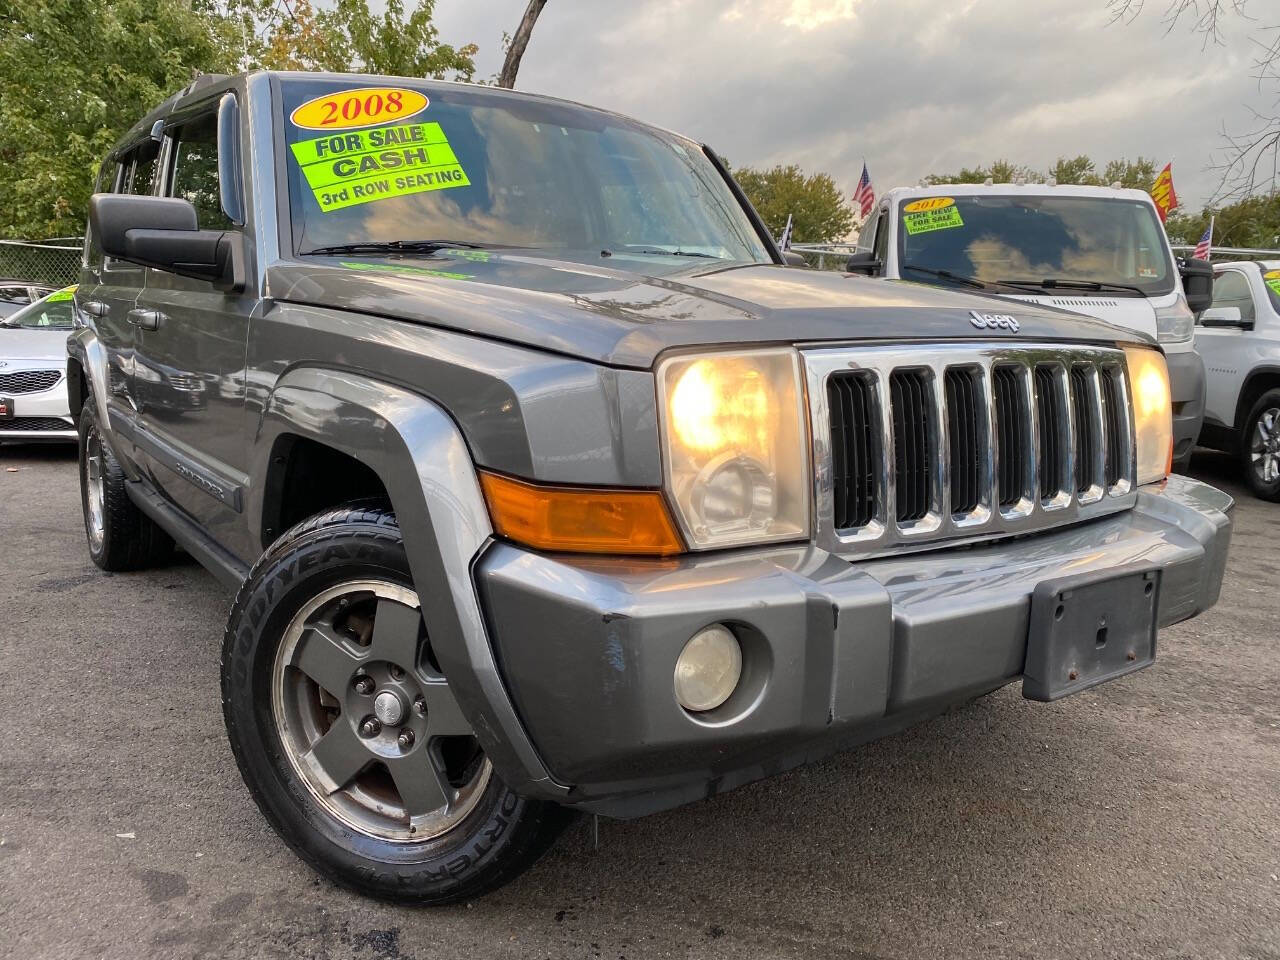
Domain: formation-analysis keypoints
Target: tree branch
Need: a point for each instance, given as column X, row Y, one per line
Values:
column 511, row 66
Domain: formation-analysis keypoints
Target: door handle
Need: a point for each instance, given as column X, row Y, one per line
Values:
column 94, row 308
column 146, row 319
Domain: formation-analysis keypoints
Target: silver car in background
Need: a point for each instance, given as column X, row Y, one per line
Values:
column 33, row 363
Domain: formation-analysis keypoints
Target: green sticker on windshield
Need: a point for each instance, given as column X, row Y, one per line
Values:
column 1272, row 280
column 66, row 293
column 935, row 218
column 360, row 166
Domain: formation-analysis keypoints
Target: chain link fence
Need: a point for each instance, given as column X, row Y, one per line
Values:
column 54, row 262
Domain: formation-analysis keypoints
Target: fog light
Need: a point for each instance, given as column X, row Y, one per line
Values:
column 708, row 669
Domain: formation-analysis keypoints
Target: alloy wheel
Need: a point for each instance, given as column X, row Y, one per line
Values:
column 367, row 719
column 1265, row 447
column 94, row 471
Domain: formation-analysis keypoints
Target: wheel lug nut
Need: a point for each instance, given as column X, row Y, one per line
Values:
column 370, row 727
column 420, row 705
column 364, row 685
column 405, row 739
column 396, row 672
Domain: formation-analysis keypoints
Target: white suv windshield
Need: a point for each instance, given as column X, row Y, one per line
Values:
column 476, row 167
column 1081, row 241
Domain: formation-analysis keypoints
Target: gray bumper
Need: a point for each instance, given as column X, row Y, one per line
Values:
column 837, row 652
column 1186, row 383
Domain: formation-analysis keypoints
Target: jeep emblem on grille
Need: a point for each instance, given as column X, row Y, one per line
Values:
column 993, row 321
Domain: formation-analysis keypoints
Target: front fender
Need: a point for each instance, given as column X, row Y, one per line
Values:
column 420, row 456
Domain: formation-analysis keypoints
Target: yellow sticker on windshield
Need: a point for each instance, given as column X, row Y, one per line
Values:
column 1272, row 280
column 931, row 213
column 928, row 203
column 66, row 293
column 365, row 107
column 346, row 169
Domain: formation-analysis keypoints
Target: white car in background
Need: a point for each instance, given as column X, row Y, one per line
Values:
column 33, row 369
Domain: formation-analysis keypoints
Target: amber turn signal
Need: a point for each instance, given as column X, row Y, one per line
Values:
column 580, row 519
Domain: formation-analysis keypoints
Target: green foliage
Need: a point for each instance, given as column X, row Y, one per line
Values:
column 1252, row 222
column 1139, row 173
column 76, row 74
column 818, row 208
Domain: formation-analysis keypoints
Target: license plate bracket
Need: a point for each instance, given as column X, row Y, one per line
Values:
column 1088, row 629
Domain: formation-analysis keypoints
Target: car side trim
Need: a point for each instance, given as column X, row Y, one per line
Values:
column 226, row 491
column 229, row 570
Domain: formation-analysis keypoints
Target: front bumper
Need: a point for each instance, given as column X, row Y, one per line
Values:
column 1186, row 384
column 836, row 652
column 43, row 415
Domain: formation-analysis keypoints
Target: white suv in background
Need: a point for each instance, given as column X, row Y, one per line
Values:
column 1099, row 251
column 1239, row 338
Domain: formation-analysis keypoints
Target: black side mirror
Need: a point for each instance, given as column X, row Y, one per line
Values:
column 1197, row 283
column 793, row 259
column 163, row 232
column 864, row 261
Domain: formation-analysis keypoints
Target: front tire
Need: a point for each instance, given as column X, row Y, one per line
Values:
column 345, row 729
column 121, row 537
column 1260, row 447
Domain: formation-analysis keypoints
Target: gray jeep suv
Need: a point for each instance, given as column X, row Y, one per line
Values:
column 546, row 485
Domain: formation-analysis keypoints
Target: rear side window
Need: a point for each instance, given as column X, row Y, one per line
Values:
column 195, row 171
column 140, row 169
column 1231, row 289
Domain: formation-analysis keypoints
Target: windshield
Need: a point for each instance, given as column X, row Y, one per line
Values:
column 479, row 168
column 54, row 312
column 1080, row 240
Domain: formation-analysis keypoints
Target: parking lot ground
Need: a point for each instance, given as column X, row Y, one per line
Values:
column 1141, row 819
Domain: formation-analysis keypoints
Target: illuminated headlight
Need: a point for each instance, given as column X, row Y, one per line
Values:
column 1152, row 412
column 1175, row 323
column 735, row 452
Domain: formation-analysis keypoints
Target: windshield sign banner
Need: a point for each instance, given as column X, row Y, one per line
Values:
column 345, row 169
column 365, row 107
column 931, row 213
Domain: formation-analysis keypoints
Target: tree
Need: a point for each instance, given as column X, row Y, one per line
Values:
column 1251, row 156
column 516, row 48
column 1000, row 171
column 1081, row 170
column 349, row 37
column 74, row 75
column 818, row 208
column 1251, row 222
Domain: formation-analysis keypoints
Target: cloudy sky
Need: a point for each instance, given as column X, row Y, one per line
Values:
column 914, row 86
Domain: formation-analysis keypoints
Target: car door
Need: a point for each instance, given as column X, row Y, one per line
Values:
column 109, row 289
column 1224, row 349
column 192, row 346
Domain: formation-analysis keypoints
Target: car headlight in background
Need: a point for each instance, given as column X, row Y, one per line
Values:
column 1175, row 323
column 735, row 446
column 1152, row 412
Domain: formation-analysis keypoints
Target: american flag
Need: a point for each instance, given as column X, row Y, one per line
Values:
column 1205, row 244
column 865, row 196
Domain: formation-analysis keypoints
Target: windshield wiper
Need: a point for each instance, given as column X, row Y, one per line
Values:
column 947, row 275
column 674, row 253
column 1053, row 283
column 396, row 246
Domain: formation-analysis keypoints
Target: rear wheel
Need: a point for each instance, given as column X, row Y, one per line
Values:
column 120, row 536
column 1260, row 447
column 347, row 732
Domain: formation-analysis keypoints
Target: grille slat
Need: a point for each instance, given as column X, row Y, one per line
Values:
column 1011, row 420
column 35, row 424
column 854, row 453
column 962, row 432
column 28, row 381
column 1034, row 436
column 913, row 461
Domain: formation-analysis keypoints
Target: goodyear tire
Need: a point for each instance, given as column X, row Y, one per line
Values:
column 121, row 537
column 345, row 730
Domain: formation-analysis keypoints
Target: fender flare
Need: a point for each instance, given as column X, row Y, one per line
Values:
column 419, row 454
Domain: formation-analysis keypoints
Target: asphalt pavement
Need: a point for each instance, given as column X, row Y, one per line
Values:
column 1141, row 819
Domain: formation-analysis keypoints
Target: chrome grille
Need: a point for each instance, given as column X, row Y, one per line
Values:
column 28, row 381
column 914, row 445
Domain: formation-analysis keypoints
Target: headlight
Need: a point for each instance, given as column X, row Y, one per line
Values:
column 735, row 456
column 1175, row 323
column 1152, row 412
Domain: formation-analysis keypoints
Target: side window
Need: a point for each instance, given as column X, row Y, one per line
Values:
column 882, row 237
column 140, row 169
column 194, row 171
column 1231, row 289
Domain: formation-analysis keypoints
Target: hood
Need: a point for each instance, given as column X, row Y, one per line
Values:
column 619, row 317
column 19, row 347
column 1132, row 313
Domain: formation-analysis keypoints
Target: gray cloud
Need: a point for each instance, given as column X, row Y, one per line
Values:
column 915, row 86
